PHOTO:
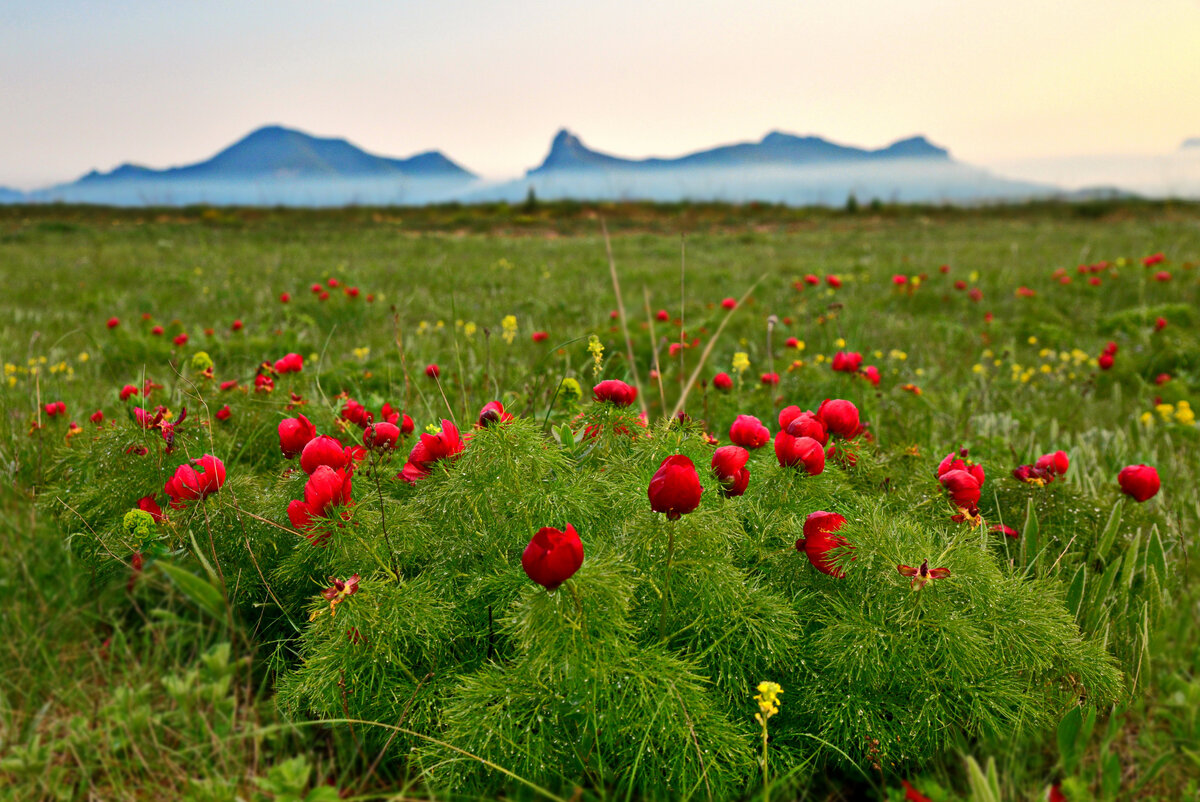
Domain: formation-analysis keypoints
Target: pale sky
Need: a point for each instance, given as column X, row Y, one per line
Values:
column 93, row 84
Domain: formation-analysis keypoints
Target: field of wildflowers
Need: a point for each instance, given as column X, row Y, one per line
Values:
column 451, row 503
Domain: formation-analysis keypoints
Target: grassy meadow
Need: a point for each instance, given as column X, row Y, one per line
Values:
column 194, row 657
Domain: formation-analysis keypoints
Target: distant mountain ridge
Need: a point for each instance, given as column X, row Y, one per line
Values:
column 567, row 152
column 1188, row 144
column 276, row 152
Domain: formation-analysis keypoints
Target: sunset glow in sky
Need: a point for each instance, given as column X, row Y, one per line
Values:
column 92, row 84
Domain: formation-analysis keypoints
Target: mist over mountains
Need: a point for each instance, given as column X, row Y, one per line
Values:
column 279, row 166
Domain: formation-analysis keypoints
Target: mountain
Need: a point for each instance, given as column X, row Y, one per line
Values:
column 275, row 165
column 1189, row 144
column 567, row 152
column 779, row 168
column 8, row 195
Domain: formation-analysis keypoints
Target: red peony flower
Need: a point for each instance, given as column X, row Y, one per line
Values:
column 1154, row 259
column 284, row 297
column 127, row 391
column 847, row 361
column 615, row 391
column 493, row 412
column 833, row 281
column 748, row 431
column 663, row 315
column 290, row 363
column 229, row 385
column 433, row 371
column 675, row 488
column 840, row 417
column 769, row 379
column 148, row 504
column 539, row 336
column 1160, row 324
column 871, row 374
column 957, row 461
column 796, row 451
column 97, row 417
column 431, row 448
column 1055, row 464
column 1105, row 361
column 113, row 322
column 381, row 436
column 806, row 424
column 356, row 413
column 553, row 556
column 1138, row 481
column 237, row 325
column 729, row 303
column 819, row 540
column 55, row 408
column 722, row 382
column 199, row 480
column 922, row 575
column 899, row 279
column 729, row 466
column 157, row 331
column 294, row 434
column 224, row 413
column 180, row 339
column 912, row 794
column 323, row 450
column 325, row 489
column 962, row 487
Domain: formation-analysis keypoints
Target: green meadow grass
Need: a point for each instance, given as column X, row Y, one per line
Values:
column 162, row 692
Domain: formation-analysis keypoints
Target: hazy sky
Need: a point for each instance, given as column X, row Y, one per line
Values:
column 92, row 84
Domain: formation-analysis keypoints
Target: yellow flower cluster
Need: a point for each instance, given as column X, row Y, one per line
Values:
column 768, row 701
column 509, row 327
column 1179, row 413
column 596, row 349
column 362, row 352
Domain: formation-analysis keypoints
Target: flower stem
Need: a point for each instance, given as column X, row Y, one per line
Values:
column 662, row 612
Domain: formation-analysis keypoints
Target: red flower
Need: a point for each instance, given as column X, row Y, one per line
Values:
column 729, row 303
column 833, row 281
column 769, row 379
column 148, row 504
column 223, row 413
column 847, row 361
column 806, row 424
column 615, row 391
column 1008, row 531
column 181, row 339
column 1162, row 275
column 1056, row 794
column 1055, row 464
column 899, row 279
column 113, row 322
column 382, row 436
column 356, row 413
column 1162, row 378
column 795, row 451
column 290, row 363
column 199, row 482
column 1138, row 481
column 1160, row 324
column 431, row 448
column 553, row 556
column 748, row 431
column 675, row 488
column 1154, row 259
column 315, row 289
column 392, row 415
column 663, row 315
column 840, row 417
column 237, row 325
column 229, row 385
column 957, row 461
column 56, row 408
column 127, row 391
column 284, row 297
column 729, row 466
column 294, row 434
column 493, row 412
column 871, row 374
column 157, row 331
column 352, row 292
column 962, row 487
column 923, row 575
column 433, row 371
column 539, row 336
column 976, row 295
column 263, row 383
column 1105, row 361
column 97, row 417
column 323, row 450
column 722, row 382
column 339, row 592
column 325, row 489
column 819, row 539
column 912, row 794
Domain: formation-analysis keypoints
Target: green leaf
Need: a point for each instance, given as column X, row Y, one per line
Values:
column 1029, row 536
column 1155, row 555
column 1109, row 533
column 1068, row 738
column 206, row 597
column 1075, row 591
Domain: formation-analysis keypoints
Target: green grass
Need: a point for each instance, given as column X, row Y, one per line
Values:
column 218, row 684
